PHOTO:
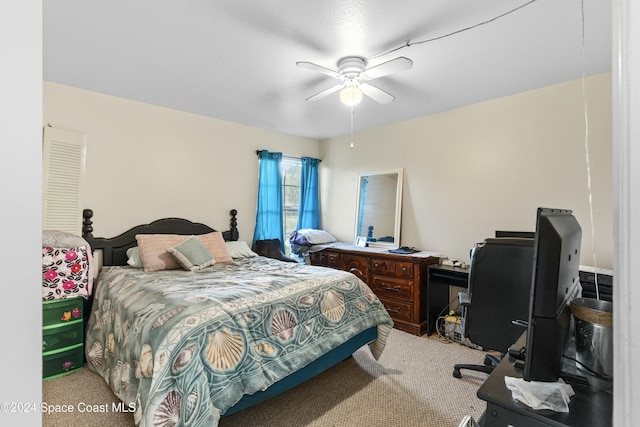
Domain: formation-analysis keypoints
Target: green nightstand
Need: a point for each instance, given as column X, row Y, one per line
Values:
column 62, row 337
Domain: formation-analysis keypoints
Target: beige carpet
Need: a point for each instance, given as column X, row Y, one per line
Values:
column 411, row 385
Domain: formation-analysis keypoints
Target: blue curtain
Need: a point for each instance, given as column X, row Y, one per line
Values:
column 309, row 213
column 269, row 212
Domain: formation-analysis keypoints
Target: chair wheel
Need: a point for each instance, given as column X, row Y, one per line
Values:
column 456, row 373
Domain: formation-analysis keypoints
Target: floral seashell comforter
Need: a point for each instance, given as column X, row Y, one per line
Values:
column 183, row 347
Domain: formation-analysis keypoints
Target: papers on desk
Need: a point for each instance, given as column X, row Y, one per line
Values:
column 541, row 395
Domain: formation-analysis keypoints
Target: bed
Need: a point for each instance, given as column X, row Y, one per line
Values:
column 183, row 347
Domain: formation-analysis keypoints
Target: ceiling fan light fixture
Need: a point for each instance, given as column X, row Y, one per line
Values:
column 355, row 76
column 351, row 95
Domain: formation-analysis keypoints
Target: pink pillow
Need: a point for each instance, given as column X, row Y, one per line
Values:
column 153, row 249
column 214, row 242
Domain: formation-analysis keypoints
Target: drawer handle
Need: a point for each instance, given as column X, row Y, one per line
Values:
column 389, row 288
column 357, row 272
column 382, row 267
column 404, row 269
column 394, row 310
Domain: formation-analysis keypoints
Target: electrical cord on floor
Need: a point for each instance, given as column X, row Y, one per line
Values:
column 439, row 329
column 440, row 322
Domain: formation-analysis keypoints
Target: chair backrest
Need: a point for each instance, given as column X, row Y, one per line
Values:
column 271, row 248
column 500, row 275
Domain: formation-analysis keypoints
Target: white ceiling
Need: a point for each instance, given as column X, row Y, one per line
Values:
column 236, row 60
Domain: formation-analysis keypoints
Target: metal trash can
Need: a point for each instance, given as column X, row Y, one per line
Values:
column 594, row 335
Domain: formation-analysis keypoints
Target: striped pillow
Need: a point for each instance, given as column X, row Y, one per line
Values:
column 153, row 249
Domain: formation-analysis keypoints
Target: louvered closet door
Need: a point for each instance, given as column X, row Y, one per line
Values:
column 63, row 160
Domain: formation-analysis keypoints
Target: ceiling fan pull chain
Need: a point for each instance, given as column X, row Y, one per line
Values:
column 352, row 113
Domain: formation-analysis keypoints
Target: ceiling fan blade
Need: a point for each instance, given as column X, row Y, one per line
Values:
column 393, row 66
column 315, row 67
column 376, row 94
column 324, row 93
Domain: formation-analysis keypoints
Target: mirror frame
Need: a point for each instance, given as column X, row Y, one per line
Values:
column 398, row 210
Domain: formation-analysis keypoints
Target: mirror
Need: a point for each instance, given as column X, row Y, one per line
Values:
column 379, row 208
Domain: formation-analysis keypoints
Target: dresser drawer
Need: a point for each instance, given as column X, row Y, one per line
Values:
column 398, row 310
column 393, row 287
column 60, row 362
column 391, row 268
column 61, row 311
column 60, row 336
column 325, row 259
column 357, row 265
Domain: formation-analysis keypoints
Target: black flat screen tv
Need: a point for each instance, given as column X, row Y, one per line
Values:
column 555, row 282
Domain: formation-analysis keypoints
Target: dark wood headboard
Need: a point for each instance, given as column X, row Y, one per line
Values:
column 114, row 249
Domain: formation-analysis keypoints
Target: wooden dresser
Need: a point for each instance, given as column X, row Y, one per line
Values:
column 399, row 281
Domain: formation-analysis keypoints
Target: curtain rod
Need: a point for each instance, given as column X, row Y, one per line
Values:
column 286, row 157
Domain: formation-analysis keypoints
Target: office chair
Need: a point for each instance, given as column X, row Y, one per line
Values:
column 271, row 248
column 500, row 276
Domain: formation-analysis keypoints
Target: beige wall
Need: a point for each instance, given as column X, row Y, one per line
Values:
column 467, row 171
column 145, row 162
column 470, row 171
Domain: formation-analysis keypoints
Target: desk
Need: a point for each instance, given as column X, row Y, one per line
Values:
column 592, row 405
column 440, row 278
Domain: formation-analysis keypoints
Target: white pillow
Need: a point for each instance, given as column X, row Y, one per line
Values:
column 62, row 239
column 133, row 257
column 317, row 237
column 240, row 249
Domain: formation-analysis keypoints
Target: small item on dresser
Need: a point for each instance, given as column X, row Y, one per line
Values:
column 404, row 250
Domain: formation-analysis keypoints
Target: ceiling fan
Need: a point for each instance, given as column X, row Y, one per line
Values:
column 354, row 76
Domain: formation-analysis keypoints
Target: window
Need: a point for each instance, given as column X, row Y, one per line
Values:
column 291, row 173
column 287, row 196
